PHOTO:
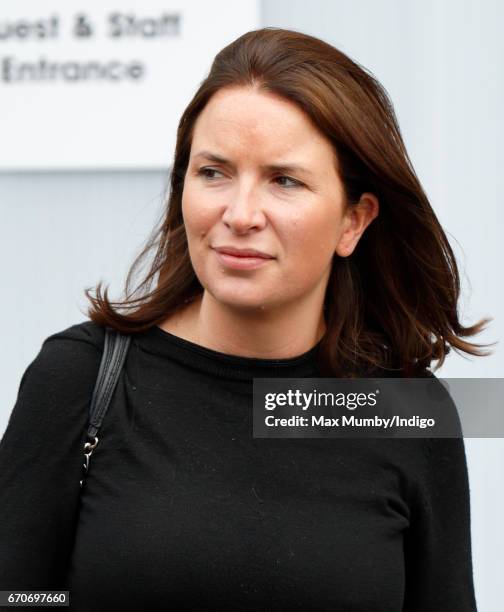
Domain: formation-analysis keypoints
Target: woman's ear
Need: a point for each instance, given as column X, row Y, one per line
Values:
column 356, row 218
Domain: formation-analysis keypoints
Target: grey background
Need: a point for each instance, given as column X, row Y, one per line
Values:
column 441, row 63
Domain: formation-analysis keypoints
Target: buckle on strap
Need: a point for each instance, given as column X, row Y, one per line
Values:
column 88, row 451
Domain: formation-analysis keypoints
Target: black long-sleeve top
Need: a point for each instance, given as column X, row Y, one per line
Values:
column 184, row 509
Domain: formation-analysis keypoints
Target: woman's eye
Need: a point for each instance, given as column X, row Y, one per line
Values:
column 203, row 172
column 294, row 183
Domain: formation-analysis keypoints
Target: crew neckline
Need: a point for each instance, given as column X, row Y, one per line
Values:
column 217, row 363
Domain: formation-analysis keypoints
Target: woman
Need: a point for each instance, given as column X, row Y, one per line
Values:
column 292, row 150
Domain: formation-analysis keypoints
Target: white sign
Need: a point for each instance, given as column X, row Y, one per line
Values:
column 100, row 85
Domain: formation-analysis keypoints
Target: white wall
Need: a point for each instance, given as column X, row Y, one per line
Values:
column 441, row 64
column 60, row 233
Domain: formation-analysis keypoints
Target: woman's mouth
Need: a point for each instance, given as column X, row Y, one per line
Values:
column 240, row 262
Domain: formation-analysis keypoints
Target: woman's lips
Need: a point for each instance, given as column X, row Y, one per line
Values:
column 241, row 262
column 237, row 252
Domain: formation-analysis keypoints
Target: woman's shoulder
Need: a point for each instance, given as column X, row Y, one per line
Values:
column 55, row 389
column 66, row 359
column 87, row 332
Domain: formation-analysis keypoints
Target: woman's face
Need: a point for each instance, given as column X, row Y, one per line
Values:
column 233, row 197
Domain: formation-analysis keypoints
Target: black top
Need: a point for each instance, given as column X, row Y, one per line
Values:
column 185, row 510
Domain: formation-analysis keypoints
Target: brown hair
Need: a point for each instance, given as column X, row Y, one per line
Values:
column 390, row 305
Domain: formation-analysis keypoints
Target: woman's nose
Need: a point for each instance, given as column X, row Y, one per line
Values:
column 244, row 211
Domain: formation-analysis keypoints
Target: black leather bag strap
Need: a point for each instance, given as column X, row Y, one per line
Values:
column 115, row 349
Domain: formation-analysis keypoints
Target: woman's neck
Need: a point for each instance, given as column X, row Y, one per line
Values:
column 265, row 335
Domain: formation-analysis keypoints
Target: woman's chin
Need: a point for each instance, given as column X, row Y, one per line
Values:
column 244, row 302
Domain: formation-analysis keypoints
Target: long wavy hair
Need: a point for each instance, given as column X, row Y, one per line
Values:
column 389, row 306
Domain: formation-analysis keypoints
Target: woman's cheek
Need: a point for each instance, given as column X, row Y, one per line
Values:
column 197, row 219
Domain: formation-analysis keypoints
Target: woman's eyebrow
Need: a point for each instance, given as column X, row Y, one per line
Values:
column 287, row 167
